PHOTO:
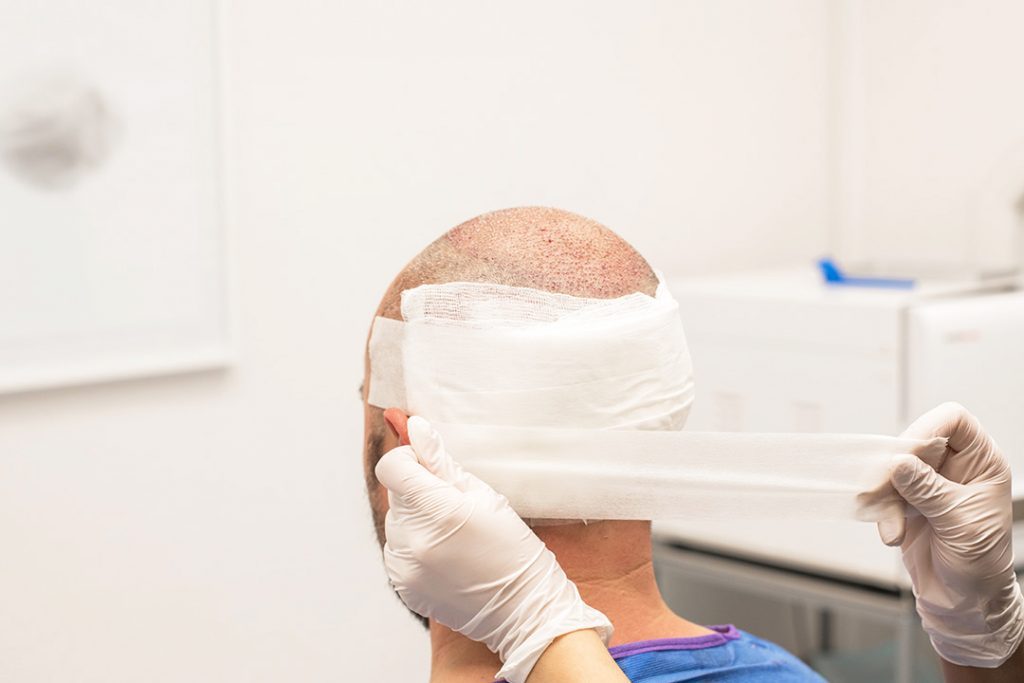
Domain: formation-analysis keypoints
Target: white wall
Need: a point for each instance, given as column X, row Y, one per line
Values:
column 935, row 116
column 213, row 527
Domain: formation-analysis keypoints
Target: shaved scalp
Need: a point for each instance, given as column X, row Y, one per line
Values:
column 535, row 247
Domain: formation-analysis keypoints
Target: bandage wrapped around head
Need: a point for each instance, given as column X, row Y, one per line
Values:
column 485, row 354
column 572, row 407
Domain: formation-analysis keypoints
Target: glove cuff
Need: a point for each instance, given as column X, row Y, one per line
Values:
column 519, row 662
column 987, row 650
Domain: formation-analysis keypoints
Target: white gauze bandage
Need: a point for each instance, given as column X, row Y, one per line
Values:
column 571, row 407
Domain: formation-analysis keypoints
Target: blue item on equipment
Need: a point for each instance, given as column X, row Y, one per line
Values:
column 834, row 276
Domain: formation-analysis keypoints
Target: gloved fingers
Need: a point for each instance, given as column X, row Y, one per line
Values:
column 397, row 469
column 412, row 484
column 933, row 451
column 879, row 502
column 933, row 424
column 954, row 422
column 926, row 490
column 430, row 449
column 893, row 530
column 971, row 454
column 939, row 421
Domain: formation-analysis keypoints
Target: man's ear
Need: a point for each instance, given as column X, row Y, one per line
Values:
column 398, row 421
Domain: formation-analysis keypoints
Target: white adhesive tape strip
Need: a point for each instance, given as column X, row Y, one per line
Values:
column 387, row 378
column 591, row 475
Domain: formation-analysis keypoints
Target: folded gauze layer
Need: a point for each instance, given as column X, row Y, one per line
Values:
column 479, row 353
column 571, row 407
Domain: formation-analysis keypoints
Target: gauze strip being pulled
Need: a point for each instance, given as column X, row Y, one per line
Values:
column 591, row 475
column 502, row 370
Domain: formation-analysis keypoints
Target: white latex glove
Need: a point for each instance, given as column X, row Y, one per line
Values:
column 959, row 549
column 457, row 553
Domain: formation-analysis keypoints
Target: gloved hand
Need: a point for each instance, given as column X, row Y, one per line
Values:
column 457, row 553
column 957, row 542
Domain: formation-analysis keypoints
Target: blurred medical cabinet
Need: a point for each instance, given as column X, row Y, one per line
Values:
column 784, row 351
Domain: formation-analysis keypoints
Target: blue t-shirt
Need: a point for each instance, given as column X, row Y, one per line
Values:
column 728, row 654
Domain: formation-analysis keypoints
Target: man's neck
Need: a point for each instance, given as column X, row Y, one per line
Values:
column 610, row 563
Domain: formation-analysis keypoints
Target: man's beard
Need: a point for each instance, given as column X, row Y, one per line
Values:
column 374, row 447
column 374, row 491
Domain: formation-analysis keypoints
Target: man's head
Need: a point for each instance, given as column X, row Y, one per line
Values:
column 536, row 247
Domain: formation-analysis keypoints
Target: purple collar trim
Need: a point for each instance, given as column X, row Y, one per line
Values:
column 721, row 636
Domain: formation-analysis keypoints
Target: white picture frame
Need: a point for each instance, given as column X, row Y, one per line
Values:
column 112, row 218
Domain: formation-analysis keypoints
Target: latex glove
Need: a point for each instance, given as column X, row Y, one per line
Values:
column 957, row 542
column 457, row 553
